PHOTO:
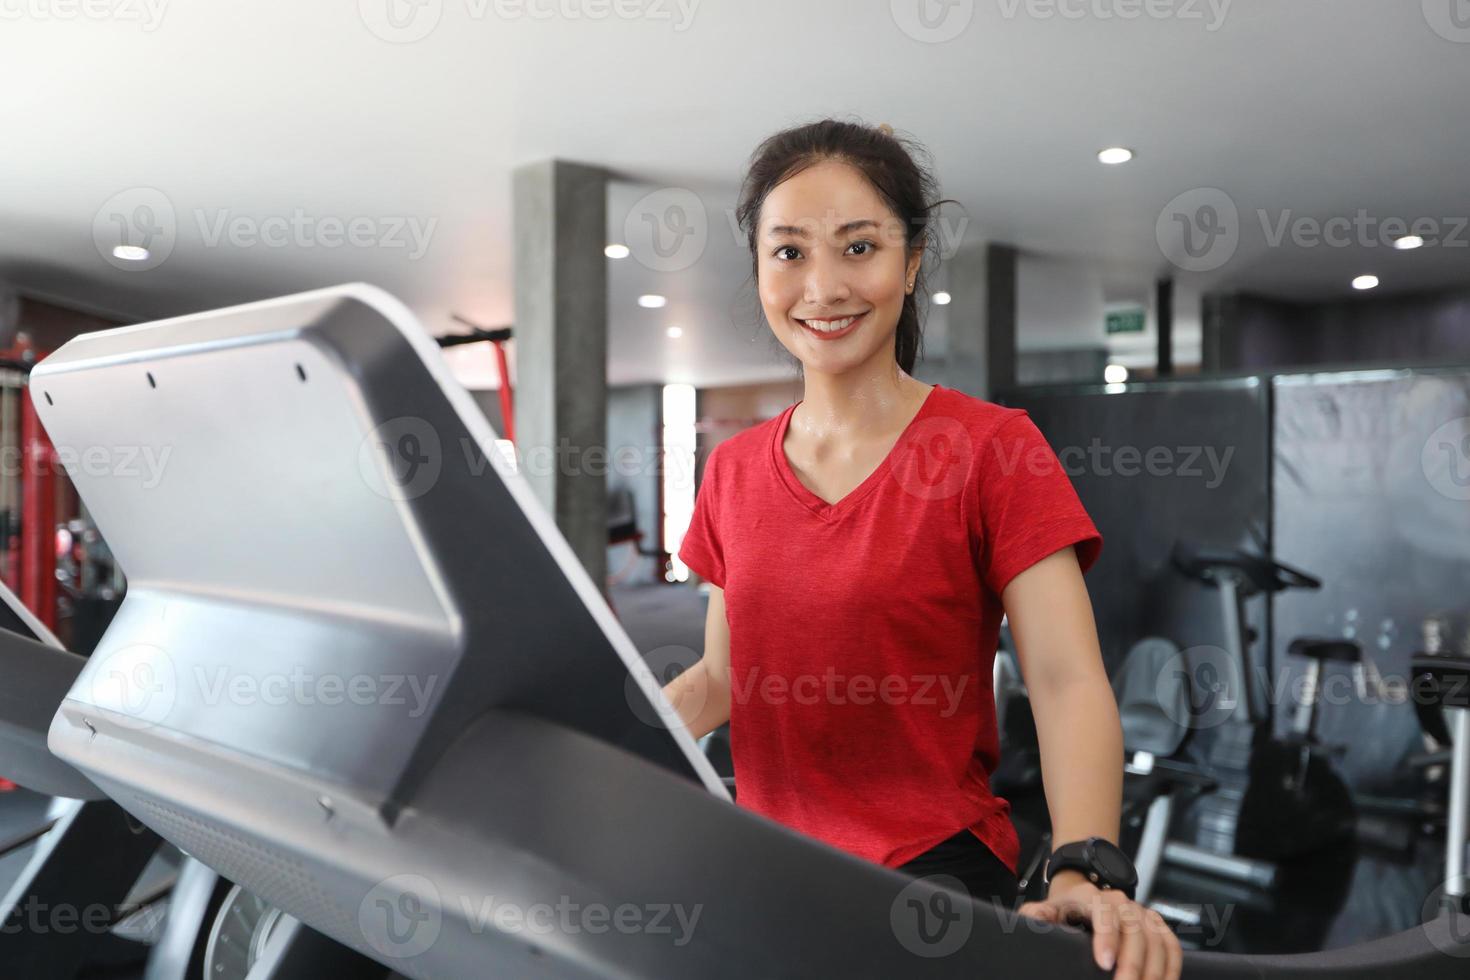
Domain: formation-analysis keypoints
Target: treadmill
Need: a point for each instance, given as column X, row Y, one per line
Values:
column 360, row 673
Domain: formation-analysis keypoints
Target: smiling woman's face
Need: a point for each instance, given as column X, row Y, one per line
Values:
column 833, row 267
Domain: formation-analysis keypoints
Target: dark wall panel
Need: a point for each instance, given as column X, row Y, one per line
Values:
column 1372, row 494
column 1254, row 333
column 1208, row 486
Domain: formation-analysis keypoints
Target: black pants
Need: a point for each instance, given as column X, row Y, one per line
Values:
column 965, row 857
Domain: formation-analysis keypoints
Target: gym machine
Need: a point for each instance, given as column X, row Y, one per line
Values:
column 321, row 445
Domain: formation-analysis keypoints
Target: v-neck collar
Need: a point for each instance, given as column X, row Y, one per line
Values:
column 804, row 495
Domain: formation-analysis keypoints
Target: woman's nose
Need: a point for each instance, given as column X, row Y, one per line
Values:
column 825, row 284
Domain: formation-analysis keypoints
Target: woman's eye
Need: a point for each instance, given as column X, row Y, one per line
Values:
column 865, row 246
column 781, row 252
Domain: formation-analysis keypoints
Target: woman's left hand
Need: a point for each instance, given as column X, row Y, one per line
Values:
column 1125, row 933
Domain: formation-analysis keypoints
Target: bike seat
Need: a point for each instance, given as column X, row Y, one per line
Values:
column 1257, row 573
column 1316, row 648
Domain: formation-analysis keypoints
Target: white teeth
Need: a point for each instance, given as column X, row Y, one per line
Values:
column 831, row 326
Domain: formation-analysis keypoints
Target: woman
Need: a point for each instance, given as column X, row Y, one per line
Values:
column 862, row 548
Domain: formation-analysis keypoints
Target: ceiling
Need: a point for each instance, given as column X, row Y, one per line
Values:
column 279, row 118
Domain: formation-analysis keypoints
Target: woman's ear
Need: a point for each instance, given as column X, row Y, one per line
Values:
column 911, row 270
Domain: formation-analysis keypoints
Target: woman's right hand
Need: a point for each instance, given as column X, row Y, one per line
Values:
column 701, row 695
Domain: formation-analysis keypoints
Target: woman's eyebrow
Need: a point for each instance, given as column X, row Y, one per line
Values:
column 800, row 232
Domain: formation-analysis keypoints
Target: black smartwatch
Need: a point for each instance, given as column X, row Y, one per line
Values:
column 1099, row 859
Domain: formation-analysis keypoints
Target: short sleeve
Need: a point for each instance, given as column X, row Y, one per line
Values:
column 701, row 548
column 1027, row 506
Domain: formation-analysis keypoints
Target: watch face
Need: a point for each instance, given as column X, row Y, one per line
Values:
column 1112, row 861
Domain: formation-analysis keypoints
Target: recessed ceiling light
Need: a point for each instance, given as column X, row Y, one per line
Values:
column 1365, row 282
column 1408, row 242
column 676, row 332
column 1115, row 154
column 616, row 251
column 941, row 298
column 651, row 301
column 1115, row 374
column 132, row 253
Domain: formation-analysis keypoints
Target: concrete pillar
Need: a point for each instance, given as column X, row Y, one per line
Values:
column 560, row 230
column 964, row 367
column 1001, row 317
column 1220, row 347
column 980, row 352
column 1164, row 319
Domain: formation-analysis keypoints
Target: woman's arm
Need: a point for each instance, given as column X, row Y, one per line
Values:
column 701, row 694
column 1081, row 762
column 1077, row 726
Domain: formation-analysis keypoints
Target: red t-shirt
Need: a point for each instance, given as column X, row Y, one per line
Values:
column 863, row 633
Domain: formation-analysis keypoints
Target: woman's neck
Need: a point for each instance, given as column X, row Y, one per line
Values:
column 857, row 404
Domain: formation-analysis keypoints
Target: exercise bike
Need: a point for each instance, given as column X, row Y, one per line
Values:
column 1442, row 701
column 1280, row 798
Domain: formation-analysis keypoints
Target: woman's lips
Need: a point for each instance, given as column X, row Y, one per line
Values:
column 833, row 334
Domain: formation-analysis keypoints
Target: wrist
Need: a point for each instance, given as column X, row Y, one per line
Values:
column 1067, row 880
column 1097, row 861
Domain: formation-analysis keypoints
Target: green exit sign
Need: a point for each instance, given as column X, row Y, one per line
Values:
column 1125, row 321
